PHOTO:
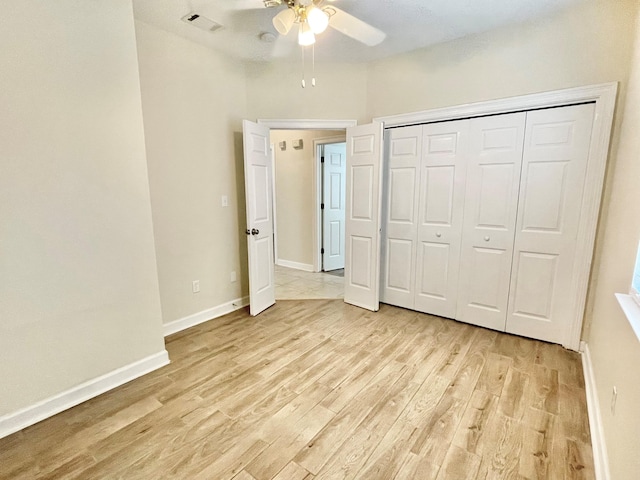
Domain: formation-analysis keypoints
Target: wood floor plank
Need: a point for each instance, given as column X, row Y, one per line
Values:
column 415, row 467
column 515, row 395
column 293, row 471
column 459, row 464
column 353, row 453
column 471, row 434
column 243, row 475
column 502, row 460
column 321, row 389
column 494, row 374
column 389, row 455
column 281, row 452
column 537, row 447
column 318, row 451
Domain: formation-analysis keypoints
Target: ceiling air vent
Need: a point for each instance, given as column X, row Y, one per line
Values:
column 201, row 22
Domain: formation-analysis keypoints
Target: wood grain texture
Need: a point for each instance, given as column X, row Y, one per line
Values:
column 318, row 389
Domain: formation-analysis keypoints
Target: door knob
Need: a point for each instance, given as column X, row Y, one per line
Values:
column 255, row 231
column 438, row 234
column 248, row 232
column 487, row 238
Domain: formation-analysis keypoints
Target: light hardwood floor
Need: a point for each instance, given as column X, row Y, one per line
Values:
column 317, row 389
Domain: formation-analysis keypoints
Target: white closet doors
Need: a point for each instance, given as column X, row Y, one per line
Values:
column 440, row 213
column 482, row 219
column 542, row 297
column 491, row 202
column 404, row 147
column 424, row 194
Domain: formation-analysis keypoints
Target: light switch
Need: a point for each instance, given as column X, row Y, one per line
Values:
column 225, row 201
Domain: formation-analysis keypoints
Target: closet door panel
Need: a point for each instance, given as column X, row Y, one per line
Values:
column 400, row 215
column 542, row 294
column 441, row 202
column 490, row 210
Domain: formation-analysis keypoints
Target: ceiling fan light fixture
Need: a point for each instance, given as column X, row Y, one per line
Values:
column 305, row 35
column 318, row 20
column 284, row 20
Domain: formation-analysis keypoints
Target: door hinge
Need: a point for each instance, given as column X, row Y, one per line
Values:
column 322, row 159
column 322, row 251
column 322, row 206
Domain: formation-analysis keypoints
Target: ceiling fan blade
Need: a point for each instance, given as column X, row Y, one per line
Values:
column 355, row 28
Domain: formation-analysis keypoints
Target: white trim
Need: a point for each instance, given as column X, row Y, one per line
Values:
column 604, row 96
column 297, row 265
column 631, row 310
column 16, row 421
column 293, row 124
column 317, row 185
column 600, row 457
column 605, row 92
column 273, row 200
column 204, row 316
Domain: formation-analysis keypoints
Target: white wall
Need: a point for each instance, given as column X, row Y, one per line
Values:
column 274, row 91
column 194, row 102
column 615, row 350
column 78, row 288
column 584, row 45
column 296, row 193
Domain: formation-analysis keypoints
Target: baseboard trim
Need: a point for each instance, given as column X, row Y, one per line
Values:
column 16, row 421
column 297, row 265
column 600, row 457
column 204, row 316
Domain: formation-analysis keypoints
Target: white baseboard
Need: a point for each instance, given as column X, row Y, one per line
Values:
column 16, row 421
column 204, row 316
column 307, row 267
column 600, row 457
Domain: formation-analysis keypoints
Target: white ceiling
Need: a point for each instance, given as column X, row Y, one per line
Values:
column 409, row 24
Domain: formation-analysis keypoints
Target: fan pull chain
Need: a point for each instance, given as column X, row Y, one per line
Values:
column 304, row 84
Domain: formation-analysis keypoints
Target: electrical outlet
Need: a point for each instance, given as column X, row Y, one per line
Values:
column 195, row 286
column 225, row 201
column 233, row 276
column 614, row 399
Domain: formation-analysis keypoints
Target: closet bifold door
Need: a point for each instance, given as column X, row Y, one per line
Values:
column 543, row 294
column 440, row 214
column 490, row 209
column 402, row 171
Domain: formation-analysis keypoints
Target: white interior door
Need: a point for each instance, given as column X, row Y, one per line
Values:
column 542, row 294
column 402, row 168
column 490, row 208
column 440, row 216
column 258, row 188
column 333, row 213
column 362, row 226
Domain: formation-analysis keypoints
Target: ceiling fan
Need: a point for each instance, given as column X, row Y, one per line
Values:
column 314, row 16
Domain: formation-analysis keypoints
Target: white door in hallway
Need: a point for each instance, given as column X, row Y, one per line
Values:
column 490, row 209
column 440, row 215
column 362, row 226
column 259, row 206
column 542, row 294
column 333, row 213
column 402, row 176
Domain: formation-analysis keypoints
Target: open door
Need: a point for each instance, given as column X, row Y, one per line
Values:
column 259, row 194
column 333, row 205
column 362, row 253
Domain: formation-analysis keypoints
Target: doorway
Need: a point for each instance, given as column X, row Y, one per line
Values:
column 308, row 200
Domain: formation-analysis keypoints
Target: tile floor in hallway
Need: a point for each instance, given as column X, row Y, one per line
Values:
column 292, row 284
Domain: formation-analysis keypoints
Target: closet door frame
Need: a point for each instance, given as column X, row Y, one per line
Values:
column 604, row 98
